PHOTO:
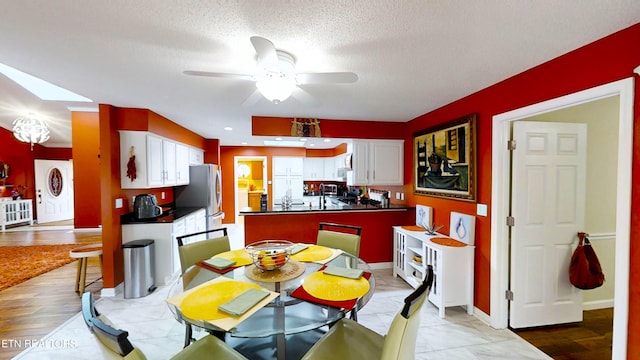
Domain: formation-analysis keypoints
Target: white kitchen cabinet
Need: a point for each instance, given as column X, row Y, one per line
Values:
column 287, row 174
column 167, row 259
column 376, row 162
column 158, row 161
column 182, row 164
column 196, row 156
column 288, row 165
column 314, row 168
column 453, row 281
column 281, row 184
column 329, row 164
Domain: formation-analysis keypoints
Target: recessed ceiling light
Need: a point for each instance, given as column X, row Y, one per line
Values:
column 303, row 139
column 327, row 140
column 278, row 139
column 244, row 143
column 228, row 128
column 287, row 143
column 40, row 88
column 312, row 144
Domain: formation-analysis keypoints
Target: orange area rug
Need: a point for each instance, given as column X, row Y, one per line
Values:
column 21, row 263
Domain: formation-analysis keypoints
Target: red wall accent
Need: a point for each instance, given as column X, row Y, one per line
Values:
column 20, row 158
column 375, row 244
column 350, row 129
column 606, row 60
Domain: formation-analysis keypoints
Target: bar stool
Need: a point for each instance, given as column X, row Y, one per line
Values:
column 83, row 253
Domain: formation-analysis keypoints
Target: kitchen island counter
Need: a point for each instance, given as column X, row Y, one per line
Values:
column 277, row 209
column 300, row 224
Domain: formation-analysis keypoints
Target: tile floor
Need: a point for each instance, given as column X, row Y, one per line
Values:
column 153, row 329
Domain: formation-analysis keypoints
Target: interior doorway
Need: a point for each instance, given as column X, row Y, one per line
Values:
column 250, row 181
column 500, row 201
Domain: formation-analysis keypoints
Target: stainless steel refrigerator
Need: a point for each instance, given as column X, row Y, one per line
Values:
column 205, row 191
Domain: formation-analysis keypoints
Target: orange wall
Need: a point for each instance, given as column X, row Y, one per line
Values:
column 111, row 120
column 227, row 155
column 86, row 168
column 607, row 60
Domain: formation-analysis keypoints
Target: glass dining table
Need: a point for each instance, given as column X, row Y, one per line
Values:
column 285, row 315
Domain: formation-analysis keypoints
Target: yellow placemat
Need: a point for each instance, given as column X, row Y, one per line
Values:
column 240, row 256
column 445, row 241
column 288, row 271
column 335, row 288
column 201, row 303
column 317, row 254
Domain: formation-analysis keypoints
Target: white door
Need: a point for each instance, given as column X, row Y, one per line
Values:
column 54, row 190
column 548, row 200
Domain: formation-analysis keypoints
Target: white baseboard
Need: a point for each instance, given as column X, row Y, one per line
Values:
column 597, row 304
column 381, row 265
column 482, row 316
column 112, row 292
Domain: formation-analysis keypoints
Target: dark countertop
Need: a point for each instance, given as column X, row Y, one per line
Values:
column 330, row 208
column 166, row 217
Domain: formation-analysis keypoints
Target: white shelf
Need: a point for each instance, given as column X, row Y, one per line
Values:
column 452, row 268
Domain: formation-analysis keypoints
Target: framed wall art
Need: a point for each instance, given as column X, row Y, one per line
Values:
column 444, row 160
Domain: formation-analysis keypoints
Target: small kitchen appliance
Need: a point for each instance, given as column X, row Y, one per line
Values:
column 145, row 206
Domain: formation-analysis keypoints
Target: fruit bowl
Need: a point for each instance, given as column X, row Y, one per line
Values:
column 269, row 255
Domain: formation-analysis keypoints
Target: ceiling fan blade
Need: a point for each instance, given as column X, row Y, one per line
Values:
column 327, row 78
column 218, row 75
column 265, row 49
column 304, row 97
column 252, row 99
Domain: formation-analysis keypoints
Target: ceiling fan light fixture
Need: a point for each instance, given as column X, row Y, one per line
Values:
column 276, row 87
column 30, row 130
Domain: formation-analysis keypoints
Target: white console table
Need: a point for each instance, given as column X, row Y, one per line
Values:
column 453, row 268
column 15, row 212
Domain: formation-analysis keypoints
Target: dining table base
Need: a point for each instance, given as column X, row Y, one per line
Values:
column 273, row 347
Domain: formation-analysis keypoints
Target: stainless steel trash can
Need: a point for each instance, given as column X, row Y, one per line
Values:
column 139, row 268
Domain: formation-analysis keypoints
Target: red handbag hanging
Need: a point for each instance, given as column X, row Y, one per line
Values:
column 585, row 271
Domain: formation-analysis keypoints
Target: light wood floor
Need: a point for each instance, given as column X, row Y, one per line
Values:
column 34, row 308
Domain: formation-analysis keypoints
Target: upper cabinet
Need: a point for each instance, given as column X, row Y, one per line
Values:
column 376, row 162
column 314, row 168
column 288, row 165
column 196, row 156
column 182, row 165
column 149, row 161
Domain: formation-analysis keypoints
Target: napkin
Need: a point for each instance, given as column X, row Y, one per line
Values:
column 298, row 247
column 343, row 272
column 219, row 263
column 243, row 302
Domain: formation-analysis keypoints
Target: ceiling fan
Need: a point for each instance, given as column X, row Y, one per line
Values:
column 275, row 75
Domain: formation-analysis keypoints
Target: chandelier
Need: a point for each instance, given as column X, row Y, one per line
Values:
column 30, row 130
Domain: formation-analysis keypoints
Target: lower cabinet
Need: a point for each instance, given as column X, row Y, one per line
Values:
column 453, row 281
column 15, row 212
column 167, row 260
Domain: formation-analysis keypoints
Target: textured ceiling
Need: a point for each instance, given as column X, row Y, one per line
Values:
column 411, row 56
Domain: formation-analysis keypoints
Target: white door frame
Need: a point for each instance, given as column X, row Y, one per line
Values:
column 500, row 189
column 235, row 179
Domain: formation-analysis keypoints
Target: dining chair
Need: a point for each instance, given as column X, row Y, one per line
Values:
column 193, row 252
column 340, row 236
column 115, row 342
column 196, row 251
column 348, row 339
